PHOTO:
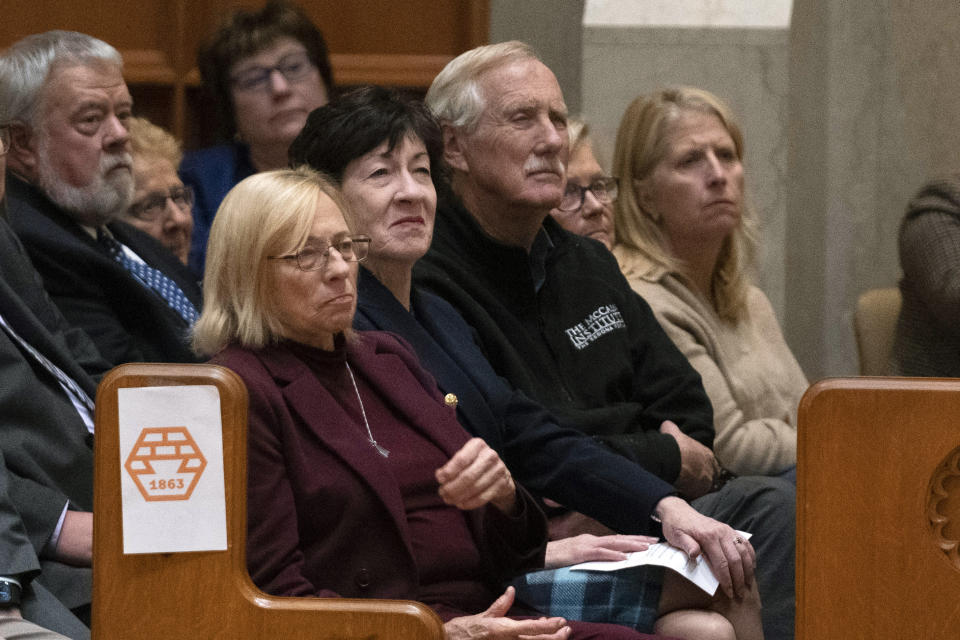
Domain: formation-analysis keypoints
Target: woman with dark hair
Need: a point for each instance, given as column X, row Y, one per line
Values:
column 386, row 155
column 264, row 70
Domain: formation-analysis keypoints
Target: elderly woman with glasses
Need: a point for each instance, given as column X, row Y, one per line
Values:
column 264, row 70
column 685, row 240
column 161, row 202
column 587, row 205
column 361, row 483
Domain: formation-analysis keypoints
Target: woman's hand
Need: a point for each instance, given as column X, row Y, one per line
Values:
column 731, row 557
column 589, row 548
column 492, row 624
column 476, row 475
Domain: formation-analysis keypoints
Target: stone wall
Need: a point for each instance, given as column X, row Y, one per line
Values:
column 874, row 111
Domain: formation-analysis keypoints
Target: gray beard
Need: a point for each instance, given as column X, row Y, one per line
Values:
column 95, row 204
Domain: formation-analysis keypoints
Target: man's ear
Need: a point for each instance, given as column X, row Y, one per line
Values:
column 22, row 157
column 453, row 140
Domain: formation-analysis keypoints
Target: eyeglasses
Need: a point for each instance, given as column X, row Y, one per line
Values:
column 350, row 248
column 603, row 189
column 293, row 67
column 4, row 139
column 153, row 205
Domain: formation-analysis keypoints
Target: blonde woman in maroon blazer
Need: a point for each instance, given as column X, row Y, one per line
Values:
column 361, row 482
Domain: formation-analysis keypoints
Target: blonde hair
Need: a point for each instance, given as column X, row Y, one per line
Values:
column 150, row 141
column 578, row 132
column 641, row 145
column 267, row 214
column 454, row 96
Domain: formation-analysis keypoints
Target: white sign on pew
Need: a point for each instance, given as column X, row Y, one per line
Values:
column 171, row 476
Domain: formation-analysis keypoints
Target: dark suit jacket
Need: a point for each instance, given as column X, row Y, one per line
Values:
column 19, row 560
column 128, row 321
column 44, row 443
column 927, row 339
column 562, row 464
column 325, row 517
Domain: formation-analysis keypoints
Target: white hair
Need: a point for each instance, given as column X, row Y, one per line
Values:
column 26, row 65
column 454, row 96
column 107, row 196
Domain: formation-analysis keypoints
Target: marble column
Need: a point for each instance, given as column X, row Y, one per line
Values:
column 735, row 48
column 874, row 108
column 552, row 28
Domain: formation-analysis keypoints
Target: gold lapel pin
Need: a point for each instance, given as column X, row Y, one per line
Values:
column 450, row 400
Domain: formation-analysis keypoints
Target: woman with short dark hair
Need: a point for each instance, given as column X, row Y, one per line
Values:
column 385, row 154
column 264, row 70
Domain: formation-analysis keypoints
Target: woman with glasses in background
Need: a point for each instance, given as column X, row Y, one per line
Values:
column 587, row 205
column 161, row 202
column 685, row 240
column 265, row 70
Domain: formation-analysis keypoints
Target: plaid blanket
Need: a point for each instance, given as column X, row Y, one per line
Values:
column 629, row 597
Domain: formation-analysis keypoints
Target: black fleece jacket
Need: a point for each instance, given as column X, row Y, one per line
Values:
column 585, row 345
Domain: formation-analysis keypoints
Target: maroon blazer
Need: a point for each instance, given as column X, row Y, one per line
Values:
column 325, row 518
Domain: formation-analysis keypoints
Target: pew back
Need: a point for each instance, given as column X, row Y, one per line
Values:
column 878, row 509
column 209, row 594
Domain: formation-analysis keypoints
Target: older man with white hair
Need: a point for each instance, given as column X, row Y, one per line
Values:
column 556, row 318
column 69, row 178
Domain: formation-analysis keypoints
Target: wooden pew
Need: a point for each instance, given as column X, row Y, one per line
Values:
column 209, row 594
column 878, row 509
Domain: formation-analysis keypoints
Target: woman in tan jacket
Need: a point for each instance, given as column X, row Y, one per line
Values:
column 685, row 240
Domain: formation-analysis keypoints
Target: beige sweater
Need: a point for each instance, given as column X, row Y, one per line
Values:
column 752, row 378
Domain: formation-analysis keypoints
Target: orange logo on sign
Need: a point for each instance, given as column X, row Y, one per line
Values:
column 165, row 463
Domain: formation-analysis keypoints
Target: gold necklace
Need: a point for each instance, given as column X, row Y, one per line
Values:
column 381, row 450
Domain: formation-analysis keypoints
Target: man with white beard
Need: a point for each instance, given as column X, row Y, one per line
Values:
column 69, row 178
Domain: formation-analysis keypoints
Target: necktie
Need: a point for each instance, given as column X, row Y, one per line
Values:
column 78, row 396
column 153, row 278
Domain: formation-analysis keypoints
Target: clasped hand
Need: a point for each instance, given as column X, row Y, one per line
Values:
column 698, row 466
column 476, row 475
